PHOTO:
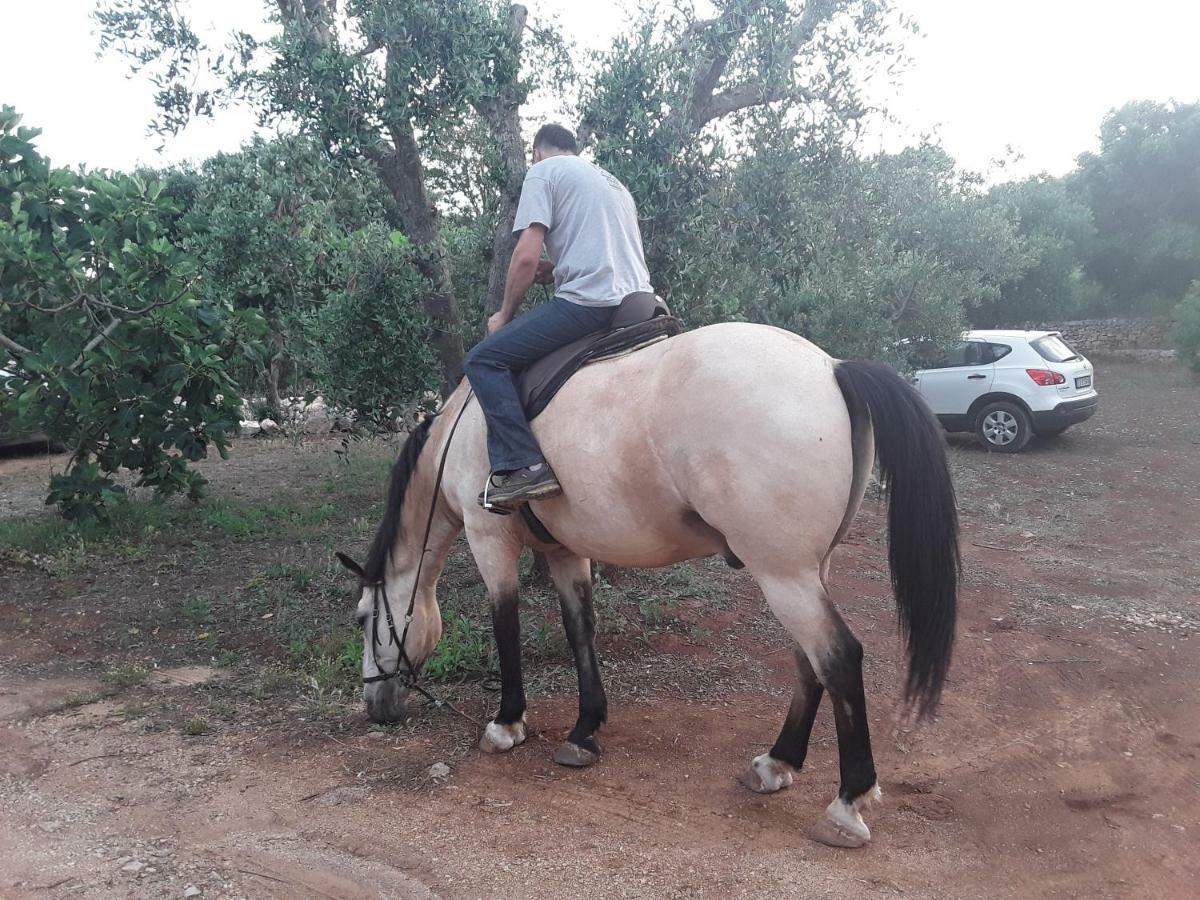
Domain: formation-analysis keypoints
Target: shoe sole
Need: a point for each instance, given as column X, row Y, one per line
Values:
column 541, row 492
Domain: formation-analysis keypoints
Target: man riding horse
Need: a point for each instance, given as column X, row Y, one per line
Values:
column 743, row 441
column 587, row 221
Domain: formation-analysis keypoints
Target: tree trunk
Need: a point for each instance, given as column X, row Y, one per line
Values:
column 403, row 174
column 503, row 117
column 274, row 375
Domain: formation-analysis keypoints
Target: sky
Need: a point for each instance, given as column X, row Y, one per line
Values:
column 1026, row 81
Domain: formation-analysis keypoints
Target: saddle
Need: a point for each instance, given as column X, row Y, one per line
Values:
column 642, row 319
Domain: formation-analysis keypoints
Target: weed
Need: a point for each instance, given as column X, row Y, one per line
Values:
column 84, row 698
column 652, row 610
column 301, row 579
column 465, row 651
column 272, row 680
column 198, row 611
column 545, row 642
column 126, row 676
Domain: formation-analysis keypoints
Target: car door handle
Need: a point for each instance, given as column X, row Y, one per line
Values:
column 975, row 377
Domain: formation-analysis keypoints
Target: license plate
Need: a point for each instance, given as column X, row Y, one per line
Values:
column 1083, row 381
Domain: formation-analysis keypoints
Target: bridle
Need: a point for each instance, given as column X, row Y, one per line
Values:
column 405, row 670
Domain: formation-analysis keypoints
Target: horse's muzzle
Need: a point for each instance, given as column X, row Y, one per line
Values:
column 387, row 701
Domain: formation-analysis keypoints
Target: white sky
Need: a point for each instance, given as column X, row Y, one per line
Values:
column 986, row 75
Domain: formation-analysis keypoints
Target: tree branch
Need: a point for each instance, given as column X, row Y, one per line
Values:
column 95, row 341
column 708, row 106
column 720, row 37
column 743, row 96
column 13, row 347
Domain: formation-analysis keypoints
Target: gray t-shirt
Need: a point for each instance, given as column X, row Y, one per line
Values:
column 592, row 234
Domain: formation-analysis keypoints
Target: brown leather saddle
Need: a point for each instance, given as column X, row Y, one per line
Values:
column 642, row 319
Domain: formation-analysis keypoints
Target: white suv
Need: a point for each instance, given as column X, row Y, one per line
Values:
column 1007, row 386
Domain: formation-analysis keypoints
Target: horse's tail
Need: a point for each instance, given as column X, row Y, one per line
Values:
column 922, row 518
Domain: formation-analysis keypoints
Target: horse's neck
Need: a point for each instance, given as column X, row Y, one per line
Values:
column 420, row 534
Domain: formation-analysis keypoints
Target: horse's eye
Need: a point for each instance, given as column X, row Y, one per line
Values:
column 361, row 619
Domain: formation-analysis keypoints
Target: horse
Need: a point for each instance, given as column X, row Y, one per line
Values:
column 739, row 440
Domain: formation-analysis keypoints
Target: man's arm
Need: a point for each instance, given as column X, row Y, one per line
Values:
column 521, row 272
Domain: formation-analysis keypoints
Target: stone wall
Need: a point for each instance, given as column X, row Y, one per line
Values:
column 1112, row 335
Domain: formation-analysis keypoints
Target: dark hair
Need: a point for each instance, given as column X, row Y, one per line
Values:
column 389, row 528
column 556, row 137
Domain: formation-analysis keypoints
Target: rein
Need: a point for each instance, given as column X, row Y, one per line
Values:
column 404, row 667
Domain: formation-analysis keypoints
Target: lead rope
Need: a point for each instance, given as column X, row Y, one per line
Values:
column 381, row 593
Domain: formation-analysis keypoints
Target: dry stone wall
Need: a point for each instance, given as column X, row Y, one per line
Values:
column 1148, row 337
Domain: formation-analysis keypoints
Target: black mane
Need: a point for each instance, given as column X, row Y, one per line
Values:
column 389, row 528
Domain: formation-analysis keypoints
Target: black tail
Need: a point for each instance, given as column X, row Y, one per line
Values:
column 922, row 518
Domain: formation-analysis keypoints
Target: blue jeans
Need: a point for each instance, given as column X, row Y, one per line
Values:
column 494, row 363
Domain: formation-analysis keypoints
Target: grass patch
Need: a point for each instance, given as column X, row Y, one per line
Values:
column 84, row 698
column 241, row 522
column 196, row 727
column 127, row 676
column 465, row 651
column 329, row 666
column 198, row 610
column 133, row 524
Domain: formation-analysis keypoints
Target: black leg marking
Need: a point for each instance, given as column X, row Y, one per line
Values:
column 842, row 672
column 580, row 624
column 791, row 746
column 506, row 624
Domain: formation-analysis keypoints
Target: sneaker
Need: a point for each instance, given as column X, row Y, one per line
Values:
column 514, row 488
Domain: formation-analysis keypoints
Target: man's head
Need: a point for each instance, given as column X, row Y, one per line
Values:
column 553, row 140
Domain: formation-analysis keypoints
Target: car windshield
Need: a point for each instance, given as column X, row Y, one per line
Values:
column 1053, row 348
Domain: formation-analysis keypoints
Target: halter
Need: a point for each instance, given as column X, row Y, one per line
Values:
column 404, row 667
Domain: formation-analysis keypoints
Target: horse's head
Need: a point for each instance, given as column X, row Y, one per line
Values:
column 395, row 646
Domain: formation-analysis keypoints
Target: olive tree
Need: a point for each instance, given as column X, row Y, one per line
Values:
column 387, row 81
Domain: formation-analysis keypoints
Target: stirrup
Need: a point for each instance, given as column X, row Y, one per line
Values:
column 487, row 504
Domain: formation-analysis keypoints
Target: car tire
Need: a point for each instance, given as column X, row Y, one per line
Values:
column 1003, row 427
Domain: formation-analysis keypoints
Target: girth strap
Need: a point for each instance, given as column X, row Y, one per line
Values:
column 540, row 531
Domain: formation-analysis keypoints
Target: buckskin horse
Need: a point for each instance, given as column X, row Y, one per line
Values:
column 735, row 439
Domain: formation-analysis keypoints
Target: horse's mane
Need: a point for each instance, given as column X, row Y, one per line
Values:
column 389, row 528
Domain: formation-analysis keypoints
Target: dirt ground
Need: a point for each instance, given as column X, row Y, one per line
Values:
column 161, row 734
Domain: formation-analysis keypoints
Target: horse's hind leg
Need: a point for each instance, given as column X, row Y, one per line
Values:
column 771, row 771
column 835, row 657
column 572, row 577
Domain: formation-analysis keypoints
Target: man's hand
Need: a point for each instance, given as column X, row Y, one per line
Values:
column 545, row 272
column 496, row 321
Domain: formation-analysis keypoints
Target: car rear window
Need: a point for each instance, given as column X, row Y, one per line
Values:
column 1053, row 348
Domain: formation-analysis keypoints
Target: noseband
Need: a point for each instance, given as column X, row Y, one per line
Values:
column 404, row 667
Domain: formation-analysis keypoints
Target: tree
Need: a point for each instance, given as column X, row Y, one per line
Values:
column 1058, row 234
column 859, row 254
column 368, row 322
column 115, row 355
column 1187, row 327
column 265, row 225
column 1143, row 188
column 678, row 99
column 380, row 80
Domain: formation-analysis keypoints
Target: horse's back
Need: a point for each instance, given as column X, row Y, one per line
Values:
column 734, row 430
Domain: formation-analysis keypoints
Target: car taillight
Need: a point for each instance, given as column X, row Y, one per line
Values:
column 1045, row 377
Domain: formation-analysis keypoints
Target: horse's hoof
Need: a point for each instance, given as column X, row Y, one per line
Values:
column 499, row 738
column 573, row 755
column 842, row 825
column 766, row 775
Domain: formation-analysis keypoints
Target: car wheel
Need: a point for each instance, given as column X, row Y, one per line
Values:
column 1003, row 427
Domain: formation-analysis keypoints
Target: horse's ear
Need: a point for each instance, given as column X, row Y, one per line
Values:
column 351, row 565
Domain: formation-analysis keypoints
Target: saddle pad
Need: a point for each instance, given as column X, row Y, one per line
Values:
column 540, row 382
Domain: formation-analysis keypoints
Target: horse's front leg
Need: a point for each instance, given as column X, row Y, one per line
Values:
column 496, row 556
column 572, row 576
